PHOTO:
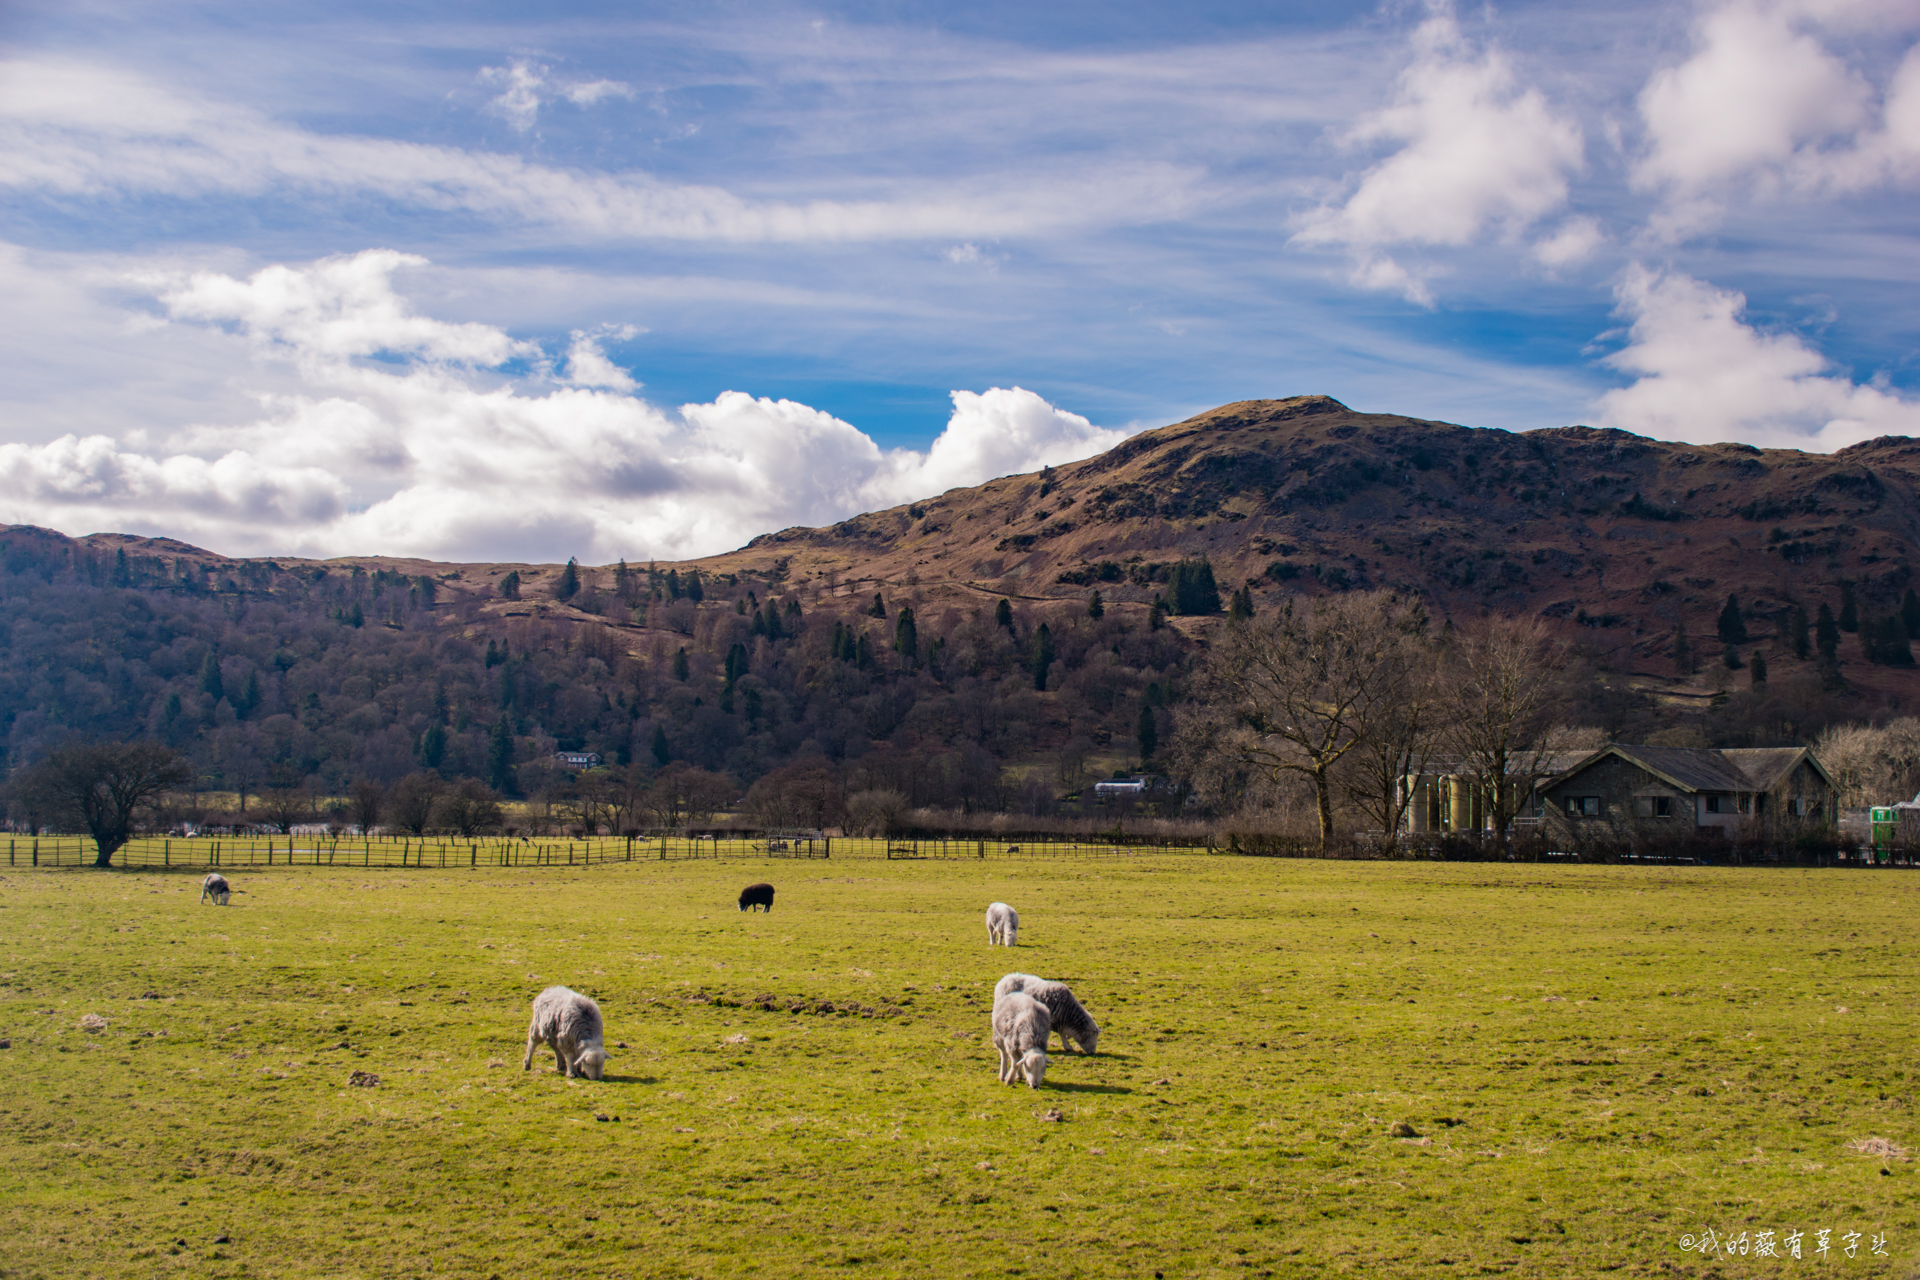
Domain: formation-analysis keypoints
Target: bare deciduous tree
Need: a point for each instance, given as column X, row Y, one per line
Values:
column 1295, row 690
column 875, row 813
column 103, row 785
column 284, row 807
column 1502, row 712
column 413, row 799
column 468, row 807
column 366, row 802
column 1872, row 764
column 1402, row 738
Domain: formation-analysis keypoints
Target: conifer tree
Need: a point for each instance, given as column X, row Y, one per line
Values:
column 681, row 670
column 1096, row 607
column 1797, row 631
column 1682, row 653
column 1757, row 665
column 500, row 756
column 568, row 583
column 1003, row 613
column 661, row 751
column 1042, row 656
column 1826, row 635
column 210, row 682
column 1148, row 733
column 1910, row 614
column 1733, row 628
column 906, row 636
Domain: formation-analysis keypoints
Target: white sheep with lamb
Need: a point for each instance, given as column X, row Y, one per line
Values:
column 1020, row 1032
column 1003, row 925
column 571, row 1024
column 215, row 886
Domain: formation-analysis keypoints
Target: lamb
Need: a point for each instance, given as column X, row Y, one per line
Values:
column 570, row 1023
column 1020, row 1032
column 1014, row 982
column 215, row 886
column 1003, row 925
column 1065, row 1014
column 757, row 895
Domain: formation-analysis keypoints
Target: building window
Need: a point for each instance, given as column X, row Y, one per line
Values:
column 1653, row 806
column 1583, row 806
column 1713, row 804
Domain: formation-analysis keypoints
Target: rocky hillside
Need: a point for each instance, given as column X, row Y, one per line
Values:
column 1616, row 538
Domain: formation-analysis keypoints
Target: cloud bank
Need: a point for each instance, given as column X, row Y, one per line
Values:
column 1705, row 375
column 405, row 440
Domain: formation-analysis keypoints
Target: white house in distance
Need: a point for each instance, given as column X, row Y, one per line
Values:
column 578, row 759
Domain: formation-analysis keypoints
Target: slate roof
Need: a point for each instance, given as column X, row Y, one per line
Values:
column 1767, row 765
column 1703, row 769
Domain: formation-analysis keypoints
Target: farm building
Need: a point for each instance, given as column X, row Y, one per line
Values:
column 1697, row 787
column 1621, row 783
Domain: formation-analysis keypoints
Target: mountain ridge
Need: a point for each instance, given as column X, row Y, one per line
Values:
column 1616, row 539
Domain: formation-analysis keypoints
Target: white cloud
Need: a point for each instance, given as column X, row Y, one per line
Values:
column 1004, row 431
column 1477, row 151
column 1573, row 242
column 585, row 93
column 1705, row 375
column 587, row 363
column 1764, row 104
column 519, row 101
column 71, row 128
column 521, row 96
column 428, row 456
column 335, row 309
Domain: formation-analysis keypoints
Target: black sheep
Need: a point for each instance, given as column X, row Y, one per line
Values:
column 757, row 895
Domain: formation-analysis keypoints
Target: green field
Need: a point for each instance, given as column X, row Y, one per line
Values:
column 1596, row 1062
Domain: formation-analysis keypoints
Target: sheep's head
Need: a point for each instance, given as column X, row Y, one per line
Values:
column 591, row 1063
column 1089, row 1041
column 1033, row 1065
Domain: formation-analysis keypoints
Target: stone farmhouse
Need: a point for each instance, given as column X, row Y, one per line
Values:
column 1692, row 788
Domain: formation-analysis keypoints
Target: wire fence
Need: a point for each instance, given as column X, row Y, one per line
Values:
column 435, row 852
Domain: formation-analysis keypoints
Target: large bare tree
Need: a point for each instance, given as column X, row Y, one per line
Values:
column 1402, row 738
column 1294, row 690
column 412, row 800
column 1503, row 705
column 469, row 807
column 103, row 785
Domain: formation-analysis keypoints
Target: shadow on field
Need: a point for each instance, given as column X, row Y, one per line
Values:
column 1089, row 1088
column 629, row 1080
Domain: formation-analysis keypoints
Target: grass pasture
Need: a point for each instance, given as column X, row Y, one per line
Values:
column 1595, row 1062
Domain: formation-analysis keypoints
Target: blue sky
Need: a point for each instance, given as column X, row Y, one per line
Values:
column 528, row 281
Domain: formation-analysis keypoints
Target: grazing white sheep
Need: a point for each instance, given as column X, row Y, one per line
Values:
column 1003, row 925
column 570, row 1023
column 1020, row 1032
column 1013, row 982
column 1067, row 1016
column 215, row 886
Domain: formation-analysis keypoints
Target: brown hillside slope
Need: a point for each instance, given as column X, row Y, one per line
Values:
column 1615, row 537
column 1626, row 535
